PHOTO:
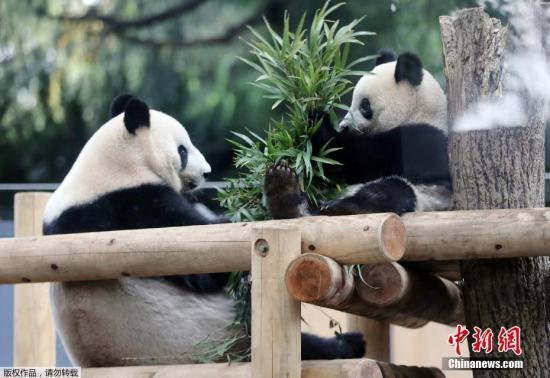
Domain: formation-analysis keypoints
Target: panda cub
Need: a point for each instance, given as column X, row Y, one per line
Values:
column 393, row 148
column 130, row 175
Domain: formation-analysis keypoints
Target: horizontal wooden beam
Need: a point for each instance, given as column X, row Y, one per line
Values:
column 476, row 234
column 319, row 280
column 357, row 368
column 190, row 250
column 449, row 269
column 357, row 239
column 395, row 289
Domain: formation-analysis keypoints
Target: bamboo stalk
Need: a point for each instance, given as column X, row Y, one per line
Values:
column 355, row 368
column 191, row 250
column 319, row 280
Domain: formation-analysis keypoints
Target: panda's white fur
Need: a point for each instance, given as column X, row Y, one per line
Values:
column 394, row 103
column 133, row 321
column 114, row 159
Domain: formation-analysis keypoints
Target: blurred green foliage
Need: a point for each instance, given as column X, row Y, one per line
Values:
column 57, row 77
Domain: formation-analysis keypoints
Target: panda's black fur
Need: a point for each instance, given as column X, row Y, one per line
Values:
column 390, row 165
column 145, row 205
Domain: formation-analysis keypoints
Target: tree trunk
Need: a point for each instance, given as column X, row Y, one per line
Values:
column 494, row 169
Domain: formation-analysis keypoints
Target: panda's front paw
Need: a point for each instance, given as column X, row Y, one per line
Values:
column 283, row 194
column 325, row 132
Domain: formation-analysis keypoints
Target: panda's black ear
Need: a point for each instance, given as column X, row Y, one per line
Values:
column 119, row 104
column 384, row 56
column 136, row 115
column 408, row 67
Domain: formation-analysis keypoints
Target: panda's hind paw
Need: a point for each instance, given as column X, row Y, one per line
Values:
column 283, row 194
column 352, row 345
column 280, row 177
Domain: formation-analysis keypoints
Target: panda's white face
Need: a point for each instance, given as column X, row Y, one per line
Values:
column 380, row 103
column 173, row 155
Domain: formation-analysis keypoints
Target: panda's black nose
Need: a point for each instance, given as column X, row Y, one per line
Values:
column 344, row 128
column 205, row 175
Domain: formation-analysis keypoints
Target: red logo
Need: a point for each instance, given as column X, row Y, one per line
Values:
column 482, row 340
column 457, row 338
column 508, row 339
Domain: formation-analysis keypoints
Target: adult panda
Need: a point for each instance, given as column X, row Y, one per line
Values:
column 129, row 175
column 393, row 147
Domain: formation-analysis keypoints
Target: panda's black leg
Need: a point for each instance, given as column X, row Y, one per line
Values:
column 344, row 206
column 388, row 194
column 343, row 346
column 283, row 194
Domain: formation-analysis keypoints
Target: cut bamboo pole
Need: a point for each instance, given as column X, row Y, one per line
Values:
column 276, row 338
column 358, row 368
column 319, row 280
column 190, row 250
column 395, row 289
column 475, row 234
column 34, row 334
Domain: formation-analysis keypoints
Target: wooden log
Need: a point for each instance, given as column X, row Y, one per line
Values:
column 34, row 334
column 319, row 280
column 314, row 278
column 395, row 289
column 449, row 269
column 276, row 338
column 376, row 333
column 190, row 250
column 476, row 234
column 355, row 368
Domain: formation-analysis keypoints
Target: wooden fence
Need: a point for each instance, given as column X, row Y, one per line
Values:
column 283, row 257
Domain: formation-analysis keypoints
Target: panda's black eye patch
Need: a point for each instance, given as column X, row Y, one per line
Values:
column 183, row 156
column 365, row 109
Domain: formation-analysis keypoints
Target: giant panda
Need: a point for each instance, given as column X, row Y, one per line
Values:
column 130, row 175
column 392, row 147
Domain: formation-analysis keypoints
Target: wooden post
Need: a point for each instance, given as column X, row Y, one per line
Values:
column 377, row 335
column 498, row 168
column 34, row 334
column 276, row 338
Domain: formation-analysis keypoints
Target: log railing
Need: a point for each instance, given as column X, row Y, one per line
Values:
column 292, row 259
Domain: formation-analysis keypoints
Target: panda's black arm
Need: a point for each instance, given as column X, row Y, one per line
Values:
column 359, row 154
column 417, row 152
column 176, row 210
